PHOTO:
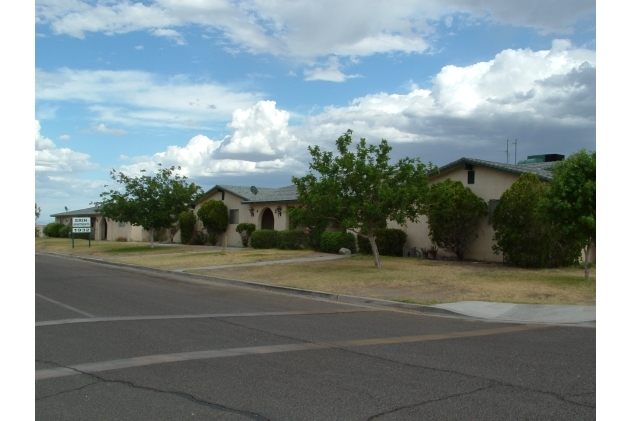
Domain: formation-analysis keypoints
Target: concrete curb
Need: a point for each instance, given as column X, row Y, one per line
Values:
column 348, row 299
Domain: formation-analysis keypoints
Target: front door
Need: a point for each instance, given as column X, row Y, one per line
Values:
column 267, row 220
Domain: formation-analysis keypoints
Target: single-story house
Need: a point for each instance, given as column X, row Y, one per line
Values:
column 104, row 228
column 489, row 180
column 266, row 208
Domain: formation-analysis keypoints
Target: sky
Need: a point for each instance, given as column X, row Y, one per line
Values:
column 234, row 92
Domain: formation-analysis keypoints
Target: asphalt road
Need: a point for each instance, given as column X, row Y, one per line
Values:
column 120, row 344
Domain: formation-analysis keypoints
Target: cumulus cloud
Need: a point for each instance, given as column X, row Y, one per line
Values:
column 548, row 95
column 261, row 129
column 49, row 158
column 303, row 28
column 259, row 144
column 64, row 137
column 142, row 98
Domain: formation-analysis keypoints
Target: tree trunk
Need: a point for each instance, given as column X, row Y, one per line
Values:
column 375, row 252
column 151, row 237
column 588, row 251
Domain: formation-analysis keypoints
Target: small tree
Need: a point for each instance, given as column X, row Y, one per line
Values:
column 214, row 217
column 525, row 237
column 38, row 212
column 187, row 221
column 153, row 202
column 245, row 229
column 453, row 216
column 571, row 200
column 360, row 191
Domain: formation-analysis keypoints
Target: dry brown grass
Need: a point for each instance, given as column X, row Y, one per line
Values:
column 409, row 280
column 426, row 282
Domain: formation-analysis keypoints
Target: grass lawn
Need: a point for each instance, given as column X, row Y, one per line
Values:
column 426, row 282
column 400, row 279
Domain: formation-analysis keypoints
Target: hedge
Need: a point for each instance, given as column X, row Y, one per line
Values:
column 390, row 242
column 52, row 229
column 332, row 242
column 291, row 239
column 264, row 239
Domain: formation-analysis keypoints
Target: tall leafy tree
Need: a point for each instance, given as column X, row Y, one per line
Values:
column 453, row 216
column 360, row 191
column 214, row 216
column 523, row 234
column 571, row 200
column 151, row 201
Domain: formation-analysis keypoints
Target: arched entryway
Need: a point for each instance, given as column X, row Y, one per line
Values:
column 267, row 219
column 103, row 229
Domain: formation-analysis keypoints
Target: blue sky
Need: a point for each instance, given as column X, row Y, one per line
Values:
column 235, row 91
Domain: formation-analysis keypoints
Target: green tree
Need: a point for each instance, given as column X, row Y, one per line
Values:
column 187, row 221
column 38, row 212
column 571, row 200
column 360, row 191
column 214, row 217
column 523, row 234
column 453, row 216
column 153, row 202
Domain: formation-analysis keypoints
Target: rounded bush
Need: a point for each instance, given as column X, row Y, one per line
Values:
column 332, row 242
column 65, row 231
column 52, row 229
column 291, row 239
column 390, row 242
column 187, row 221
column 264, row 239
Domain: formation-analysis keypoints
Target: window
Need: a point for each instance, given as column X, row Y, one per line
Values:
column 470, row 177
column 234, row 216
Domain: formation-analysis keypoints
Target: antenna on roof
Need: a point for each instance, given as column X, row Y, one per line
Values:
column 515, row 143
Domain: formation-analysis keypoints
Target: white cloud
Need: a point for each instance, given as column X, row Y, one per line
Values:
column 175, row 36
column 261, row 129
column 260, row 143
column 141, row 98
column 64, row 137
column 49, row 158
column 330, row 73
column 139, row 47
column 519, row 91
column 303, row 28
column 106, row 130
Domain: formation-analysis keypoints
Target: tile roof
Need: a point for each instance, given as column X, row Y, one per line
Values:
column 93, row 211
column 265, row 194
column 543, row 170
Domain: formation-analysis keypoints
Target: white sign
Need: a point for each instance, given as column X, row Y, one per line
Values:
column 81, row 223
column 74, row 229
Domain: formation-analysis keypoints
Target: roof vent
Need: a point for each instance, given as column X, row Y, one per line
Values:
column 535, row 159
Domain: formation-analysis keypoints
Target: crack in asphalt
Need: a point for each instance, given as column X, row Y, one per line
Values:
column 559, row 396
column 444, row 398
column 187, row 396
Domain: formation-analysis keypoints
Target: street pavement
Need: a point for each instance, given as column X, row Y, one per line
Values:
column 115, row 343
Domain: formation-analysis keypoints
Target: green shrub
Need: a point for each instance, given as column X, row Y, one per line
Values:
column 52, row 229
column 264, row 239
column 199, row 238
column 245, row 229
column 291, row 239
column 214, row 216
column 332, row 242
column 64, row 231
column 390, row 242
column 187, row 221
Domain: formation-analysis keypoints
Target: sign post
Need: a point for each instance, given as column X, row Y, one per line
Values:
column 81, row 225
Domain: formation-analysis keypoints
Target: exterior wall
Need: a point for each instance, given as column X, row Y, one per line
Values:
column 488, row 184
column 234, row 202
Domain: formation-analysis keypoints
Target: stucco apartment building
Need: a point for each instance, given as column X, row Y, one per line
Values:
column 267, row 208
